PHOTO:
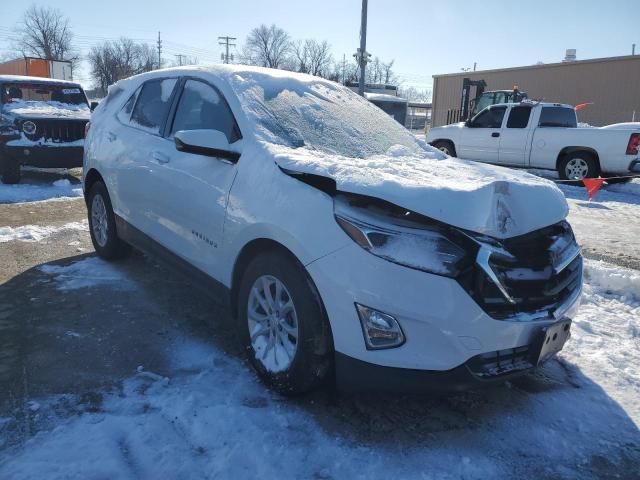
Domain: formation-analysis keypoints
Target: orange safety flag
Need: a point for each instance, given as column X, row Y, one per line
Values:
column 593, row 185
column 583, row 105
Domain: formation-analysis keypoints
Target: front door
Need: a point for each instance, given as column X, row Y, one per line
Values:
column 196, row 187
column 480, row 140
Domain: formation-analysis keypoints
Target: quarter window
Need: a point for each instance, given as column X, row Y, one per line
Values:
column 489, row 118
column 153, row 105
column 558, row 117
column 124, row 115
column 201, row 107
column 519, row 117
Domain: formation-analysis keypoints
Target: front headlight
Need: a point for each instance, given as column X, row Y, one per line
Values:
column 415, row 244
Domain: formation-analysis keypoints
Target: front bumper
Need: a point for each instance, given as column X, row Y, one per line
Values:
column 44, row 156
column 444, row 327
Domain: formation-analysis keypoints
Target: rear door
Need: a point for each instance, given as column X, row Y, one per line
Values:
column 142, row 122
column 195, row 188
column 515, row 136
column 480, row 140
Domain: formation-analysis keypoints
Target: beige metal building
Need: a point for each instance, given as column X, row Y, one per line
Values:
column 612, row 84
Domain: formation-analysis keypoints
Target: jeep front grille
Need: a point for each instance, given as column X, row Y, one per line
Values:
column 59, row 131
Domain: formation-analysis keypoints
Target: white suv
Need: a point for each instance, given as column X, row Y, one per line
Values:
column 343, row 242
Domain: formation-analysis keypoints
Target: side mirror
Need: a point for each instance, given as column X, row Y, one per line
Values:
column 93, row 106
column 211, row 143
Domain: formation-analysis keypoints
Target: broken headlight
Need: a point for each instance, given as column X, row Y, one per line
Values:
column 395, row 235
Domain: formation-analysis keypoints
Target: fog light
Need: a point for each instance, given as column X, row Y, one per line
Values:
column 635, row 166
column 380, row 330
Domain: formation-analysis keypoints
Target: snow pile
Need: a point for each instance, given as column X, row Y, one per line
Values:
column 50, row 109
column 36, row 233
column 24, row 192
column 87, row 273
column 613, row 280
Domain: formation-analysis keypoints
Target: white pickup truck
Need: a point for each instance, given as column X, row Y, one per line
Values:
column 541, row 135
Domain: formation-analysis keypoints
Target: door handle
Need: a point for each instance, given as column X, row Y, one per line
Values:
column 160, row 157
column 495, row 134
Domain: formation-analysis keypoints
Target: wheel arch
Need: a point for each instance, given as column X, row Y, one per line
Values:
column 90, row 178
column 250, row 251
column 444, row 140
column 566, row 151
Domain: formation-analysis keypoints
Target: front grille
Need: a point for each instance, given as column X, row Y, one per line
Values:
column 501, row 362
column 528, row 274
column 59, row 131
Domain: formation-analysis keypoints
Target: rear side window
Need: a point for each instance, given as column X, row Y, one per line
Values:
column 558, row 117
column 201, row 107
column 153, row 105
column 489, row 118
column 519, row 117
column 124, row 115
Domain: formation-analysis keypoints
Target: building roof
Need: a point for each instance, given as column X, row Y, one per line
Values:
column 544, row 65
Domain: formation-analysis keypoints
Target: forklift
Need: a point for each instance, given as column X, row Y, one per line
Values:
column 470, row 107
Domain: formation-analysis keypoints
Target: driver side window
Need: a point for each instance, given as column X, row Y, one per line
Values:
column 201, row 107
column 489, row 118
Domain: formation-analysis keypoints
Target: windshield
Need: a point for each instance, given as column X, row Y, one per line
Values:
column 33, row 94
column 302, row 111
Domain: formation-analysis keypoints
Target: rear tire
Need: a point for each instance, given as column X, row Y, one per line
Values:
column 10, row 171
column 578, row 166
column 275, row 319
column 102, row 225
column 445, row 146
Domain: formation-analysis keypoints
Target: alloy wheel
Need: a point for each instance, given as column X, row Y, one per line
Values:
column 576, row 169
column 99, row 223
column 273, row 323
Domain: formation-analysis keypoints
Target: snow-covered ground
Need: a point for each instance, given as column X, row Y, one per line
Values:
column 36, row 233
column 61, row 189
column 210, row 418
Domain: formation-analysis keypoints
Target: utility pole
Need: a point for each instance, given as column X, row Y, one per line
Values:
column 633, row 49
column 475, row 64
column 179, row 56
column 363, row 47
column 225, row 41
column 159, row 51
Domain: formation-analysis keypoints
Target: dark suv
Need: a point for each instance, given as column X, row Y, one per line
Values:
column 42, row 124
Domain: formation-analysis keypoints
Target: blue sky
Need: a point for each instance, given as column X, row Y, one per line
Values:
column 424, row 37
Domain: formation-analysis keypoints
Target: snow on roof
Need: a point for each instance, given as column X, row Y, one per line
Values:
column 384, row 97
column 26, row 79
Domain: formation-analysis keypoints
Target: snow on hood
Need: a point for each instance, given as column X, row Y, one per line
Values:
column 49, row 109
column 482, row 198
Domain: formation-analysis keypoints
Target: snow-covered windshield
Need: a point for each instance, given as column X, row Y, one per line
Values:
column 43, row 99
column 303, row 111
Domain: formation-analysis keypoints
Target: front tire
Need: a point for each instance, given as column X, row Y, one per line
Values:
column 10, row 171
column 578, row 166
column 102, row 225
column 445, row 146
column 282, row 325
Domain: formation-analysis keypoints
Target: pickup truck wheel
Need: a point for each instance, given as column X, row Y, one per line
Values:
column 282, row 325
column 445, row 147
column 102, row 225
column 10, row 171
column 578, row 166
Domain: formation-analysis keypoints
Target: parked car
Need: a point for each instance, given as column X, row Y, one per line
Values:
column 42, row 124
column 541, row 135
column 342, row 242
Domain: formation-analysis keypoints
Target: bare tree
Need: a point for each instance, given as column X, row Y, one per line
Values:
column 45, row 33
column 268, row 47
column 414, row 94
column 312, row 57
column 112, row 61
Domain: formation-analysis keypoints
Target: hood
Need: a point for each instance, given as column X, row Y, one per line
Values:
column 26, row 110
column 486, row 199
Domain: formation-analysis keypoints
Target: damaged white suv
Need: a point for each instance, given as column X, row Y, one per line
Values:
column 344, row 244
